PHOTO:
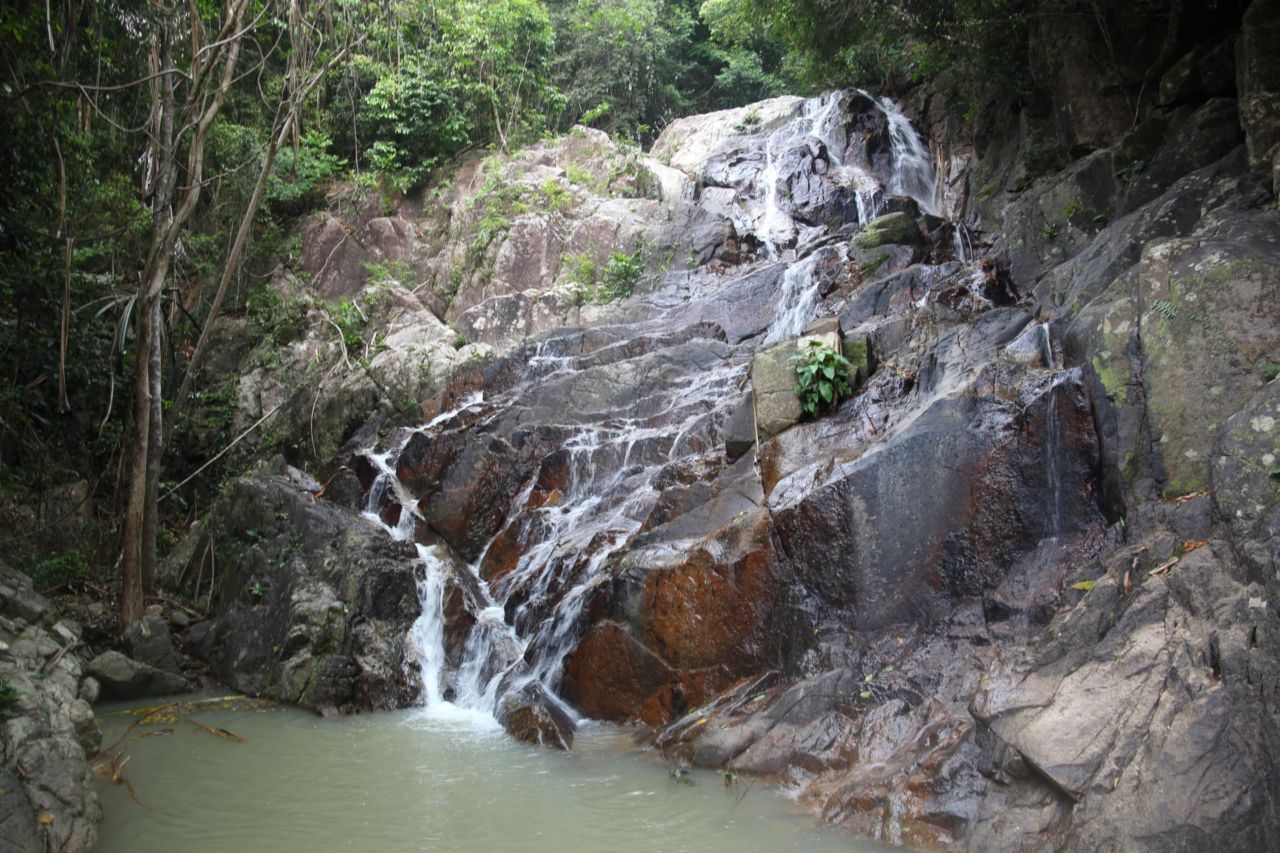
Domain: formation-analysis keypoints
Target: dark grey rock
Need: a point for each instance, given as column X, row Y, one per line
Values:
column 124, row 678
column 148, row 641
column 740, row 429
column 530, row 714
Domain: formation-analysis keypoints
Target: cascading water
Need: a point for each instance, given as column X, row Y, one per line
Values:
column 912, row 175
column 1052, row 450
column 527, row 621
column 800, row 291
column 913, row 172
column 528, row 617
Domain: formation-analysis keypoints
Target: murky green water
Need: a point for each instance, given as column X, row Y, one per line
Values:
column 409, row 781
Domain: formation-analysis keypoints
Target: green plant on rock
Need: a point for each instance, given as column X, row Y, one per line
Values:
column 1049, row 231
column 350, row 321
column 557, row 196
column 273, row 317
column 60, row 568
column 9, row 697
column 1129, row 171
column 382, row 272
column 823, row 378
column 621, row 274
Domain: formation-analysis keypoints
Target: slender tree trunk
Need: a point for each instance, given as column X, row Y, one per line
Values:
column 136, row 509
column 155, row 448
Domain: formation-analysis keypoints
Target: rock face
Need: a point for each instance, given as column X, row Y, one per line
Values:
column 121, row 677
column 1016, row 593
column 313, row 601
column 47, row 796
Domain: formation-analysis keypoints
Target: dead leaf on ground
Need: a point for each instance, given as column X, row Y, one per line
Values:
column 44, row 818
column 1083, row 586
column 1163, row 568
column 156, row 733
column 1192, row 544
column 162, row 714
column 215, row 730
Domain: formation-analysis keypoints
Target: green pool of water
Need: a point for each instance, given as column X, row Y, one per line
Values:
column 418, row 780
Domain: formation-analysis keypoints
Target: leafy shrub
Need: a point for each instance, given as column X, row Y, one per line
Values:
column 350, row 322
column 558, row 197
column 616, row 280
column 621, row 274
column 8, row 699
column 296, row 176
column 823, row 378
column 64, row 566
column 273, row 317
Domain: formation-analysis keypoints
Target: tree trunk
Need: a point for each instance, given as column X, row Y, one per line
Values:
column 136, row 509
column 155, row 448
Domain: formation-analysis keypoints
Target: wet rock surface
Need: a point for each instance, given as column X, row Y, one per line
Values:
column 1016, row 592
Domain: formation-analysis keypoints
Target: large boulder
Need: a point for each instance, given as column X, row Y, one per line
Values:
column 311, row 602
column 532, row 715
column 773, row 382
column 1211, row 322
column 148, row 641
column 1245, row 484
column 1141, row 707
column 890, row 229
column 122, row 677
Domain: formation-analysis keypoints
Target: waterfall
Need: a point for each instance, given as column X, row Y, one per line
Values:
column 613, row 468
column 528, row 620
column 962, row 243
column 426, row 637
column 799, row 295
column 913, row 173
column 1052, row 451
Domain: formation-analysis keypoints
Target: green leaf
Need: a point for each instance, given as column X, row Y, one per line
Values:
column 1083, row 586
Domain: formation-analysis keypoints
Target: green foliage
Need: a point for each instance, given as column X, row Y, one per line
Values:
column 1071, row 209
column 617, row 279
column 750, row 121
column 59, row 568
column 415, row 117
column 556, row 196
column 9, row 697
column 874, row 41
column 621, row 274
column 823, row 378
column 630, row 66
column 297, row 176
column 351, row 322
column 479, row 72
column 275, row 318
column 382, row 272
column 1130, row 170
column 1049, row 231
